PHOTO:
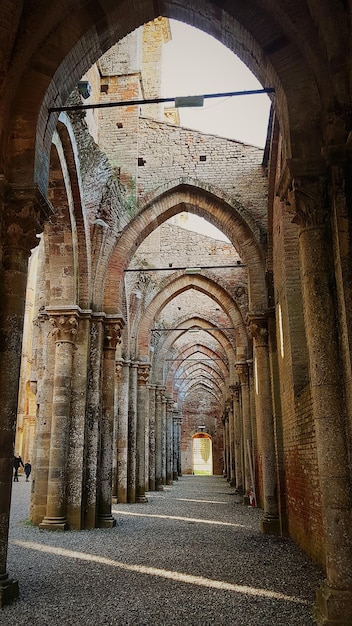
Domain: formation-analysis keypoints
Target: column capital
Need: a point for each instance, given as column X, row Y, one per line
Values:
column 23, row 217
column 308, row 200
column 118, row 369
column 235, row 391
column 143, row 373
column 65, row 327
column 241, row 368
column 258, row 328
column 112, row 332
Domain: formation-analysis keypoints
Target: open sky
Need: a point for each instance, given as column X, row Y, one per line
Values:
column 196, row 64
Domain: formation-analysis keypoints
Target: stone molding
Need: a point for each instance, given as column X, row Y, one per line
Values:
column 241, row 368
column 112, row 333
column 235, row 391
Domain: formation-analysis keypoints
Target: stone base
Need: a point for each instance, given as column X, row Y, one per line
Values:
column 333, row 607
column 53, row 523
column 114, row 500
column 141, row 499
column 106, row 521
column 246, row 500
column 159, row 488
column 8, row 590
column 270, row 527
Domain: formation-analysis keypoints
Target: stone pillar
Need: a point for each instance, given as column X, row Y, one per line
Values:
column 242, row 372
column 334, row 599
column 22, row 216
column 132, row 434
column 265, row 420
column 122, row 446
column 237, row 437
column 112, row 336
column 169, row 442
column 227, row 446
column 115, row 444
column 65, row 330
column 142, row 404
column 231, row 423
column 93, row 419
column 163, row 438
column 152, row 389
column 158, row 439
column 179, row 449
column 175, row 444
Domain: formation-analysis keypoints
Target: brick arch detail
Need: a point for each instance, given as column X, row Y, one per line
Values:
column 56, row 51
column 186, row 198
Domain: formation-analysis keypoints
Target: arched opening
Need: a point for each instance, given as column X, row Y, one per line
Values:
column 202, row 454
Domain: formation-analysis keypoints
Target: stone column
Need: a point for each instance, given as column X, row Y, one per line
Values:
column 231, row 423
column 179, row 447
column 237, row 437
column 65, row 330
column 163, row 438
column 158, row 437
column 22, row 216
column 227, row 448
column 122, row 446
column 242, row 372
column 175, row 443
column 265, row 420
column 115, row 444
column 132, row 434
column 169, row 442
column 93, row 419
column 334, row 599
column 152, row 437
column 112, row 336
column 142, row 404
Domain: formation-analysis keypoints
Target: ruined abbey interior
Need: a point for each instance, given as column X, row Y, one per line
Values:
column 133, row 350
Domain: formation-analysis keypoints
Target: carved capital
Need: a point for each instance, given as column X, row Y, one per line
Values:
column 235, row 391
column 143, row 373
column 258, row 328
column 307, row 199
column 118, row 369
column 65, row 328
column 241, row 368
column 112, row 334
column 24, row 214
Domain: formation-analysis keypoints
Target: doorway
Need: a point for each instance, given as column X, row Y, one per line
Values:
column 202, row 454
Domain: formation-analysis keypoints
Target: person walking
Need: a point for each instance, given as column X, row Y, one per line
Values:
column 17, row 461
column 27, row 470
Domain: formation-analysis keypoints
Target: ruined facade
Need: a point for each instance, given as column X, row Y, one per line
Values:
column 114, row 380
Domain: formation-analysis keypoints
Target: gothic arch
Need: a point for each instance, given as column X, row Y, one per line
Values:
column 185, row 198
column 282, row 48
column 179, row 285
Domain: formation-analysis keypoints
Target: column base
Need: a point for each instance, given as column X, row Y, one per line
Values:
column 8, row 590
column 333, row 607
column 106, row 521
column 270, row 526
column 53, row 523
column 114, row 500
column 142, row 499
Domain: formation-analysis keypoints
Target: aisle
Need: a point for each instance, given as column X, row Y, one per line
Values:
column 191, row 556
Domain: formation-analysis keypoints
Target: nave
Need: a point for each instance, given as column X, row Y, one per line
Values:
column 192, row 555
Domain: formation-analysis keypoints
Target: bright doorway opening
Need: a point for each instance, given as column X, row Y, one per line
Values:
column 202, row 454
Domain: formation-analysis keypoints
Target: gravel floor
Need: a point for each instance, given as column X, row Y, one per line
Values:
column 191, row 556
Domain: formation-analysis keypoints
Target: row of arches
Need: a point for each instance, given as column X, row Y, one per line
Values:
column 296, row 410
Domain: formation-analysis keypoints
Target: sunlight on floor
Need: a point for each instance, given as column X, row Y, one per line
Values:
column 181, row 519
column 162, row 573
column 203, row 501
